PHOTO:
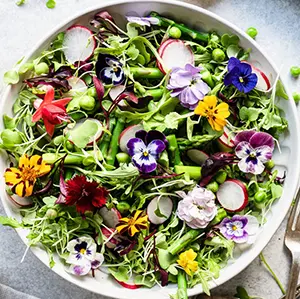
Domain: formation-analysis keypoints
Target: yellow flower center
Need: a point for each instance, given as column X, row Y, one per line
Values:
column 146, row 154
column 29, row 174
column 234, row 227
column 82, row 251
column 241, row 79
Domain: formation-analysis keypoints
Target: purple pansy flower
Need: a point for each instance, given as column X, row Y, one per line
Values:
column 240, row 75
column 197, row 208
column 145, row 149
column 143, row 21
column 239, row 229
column 109, row 70
column 254, row 149
column 83, row 256
column 187, row 85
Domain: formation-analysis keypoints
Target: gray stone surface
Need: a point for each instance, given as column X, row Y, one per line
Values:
column 278, row 23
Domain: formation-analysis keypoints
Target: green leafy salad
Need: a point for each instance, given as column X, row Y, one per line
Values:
column 144, row 152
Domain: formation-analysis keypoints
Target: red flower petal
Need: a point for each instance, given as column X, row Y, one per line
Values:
column 99, row 199
column 61, row 102
column 49, row 96
column 49, row 127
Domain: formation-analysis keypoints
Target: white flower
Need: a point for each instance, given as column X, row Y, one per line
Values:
column 83, row 256
column 197, row 208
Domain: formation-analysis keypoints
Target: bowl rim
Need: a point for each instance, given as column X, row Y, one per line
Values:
column 255, row 251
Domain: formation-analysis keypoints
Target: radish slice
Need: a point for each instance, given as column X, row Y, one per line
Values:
column 130, row 286
column 127, row 134
column 96, row 137
column 115, row 91
column 197, row 156
column 225, row 143
column 22, row 202
column 174, row 53
column 263, row 82
column 232, row 195
column 79, row 44
column 164, row 205
column 77, row 84
column 110, row 217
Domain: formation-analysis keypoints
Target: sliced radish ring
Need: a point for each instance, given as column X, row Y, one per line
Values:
column 197, row 156
column 127, row 134
column 164, row 205
column 174, row 53
column 79, row 44
column 98, row 134
column 226, row 143
column 110, row 217
column 22, row 202
column 232, row 195
column 78, row 86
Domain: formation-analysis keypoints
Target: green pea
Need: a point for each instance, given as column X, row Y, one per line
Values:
column 206, row 76
column 87, row 102
column 295, row 71
column 260, row 196
column 221, row 214
column 270, row 164
column 92, row 92
column 123, row 207
column 218, row 55
column 212, row 186
column 122, row 157
column 296, row 97
column 41, row 68
column 69, row 146
column 10, row 137
column 25, row 68
column 175, row 32
column 51, row 214
column 252, row 32
column 221, row 177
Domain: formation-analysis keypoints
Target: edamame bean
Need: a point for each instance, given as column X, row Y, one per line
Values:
column 41, row 68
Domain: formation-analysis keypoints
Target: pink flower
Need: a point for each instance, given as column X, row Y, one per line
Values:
column 197, row 208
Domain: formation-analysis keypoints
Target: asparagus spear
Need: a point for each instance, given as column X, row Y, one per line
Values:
column 174, row 150
column 114, row 145
column 165, row 22
column 146, row 72
column 182, row 285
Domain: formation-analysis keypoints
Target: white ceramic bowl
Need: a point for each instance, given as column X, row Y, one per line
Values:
column 289, row 159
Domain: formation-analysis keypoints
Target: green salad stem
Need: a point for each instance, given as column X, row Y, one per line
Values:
column 114, row 144
column 146, row 72
column 174, row 150
column 182, row 285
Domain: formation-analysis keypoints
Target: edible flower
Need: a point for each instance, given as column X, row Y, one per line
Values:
column 23, row 178
column 240, row 75
column 197, row 208
column 254, row 149
column 215, row 114
column 145, row 149
column 187, row 85
column 240, row 229
column 87, row 196
column 143, row 21
column 133, row 224
column 83, row 256
column 187, row 261
column 53, row 112
column 109, row 70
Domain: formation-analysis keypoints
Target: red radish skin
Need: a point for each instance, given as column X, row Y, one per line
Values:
column 98, row 134
column 127, row 134
column 165, row 206
column 107, row 233
column 232, row 195
column 79, row 52
column 130, row 286
column 77, row 84
column 21, row 202
column 110, row 217
column 226, row 145
column 174, row 53
column 197, row 156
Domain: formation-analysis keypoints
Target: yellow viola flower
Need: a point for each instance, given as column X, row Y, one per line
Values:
column 215, row 114
column 23, row 178
column 187, row 261
column 133, row 224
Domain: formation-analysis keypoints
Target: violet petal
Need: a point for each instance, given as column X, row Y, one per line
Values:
column 154, row 134
column 260, row 138
column 145, row 164
column 243, row 136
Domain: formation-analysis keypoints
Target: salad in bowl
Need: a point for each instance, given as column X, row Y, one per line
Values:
column 143, row 151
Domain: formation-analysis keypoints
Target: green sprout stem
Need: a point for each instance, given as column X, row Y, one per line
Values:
column 155, row 93
column 182, row 285
column 114, row 144
column 106, row 140
column 146, row 72
column 174, row 150
column 193, row 172
column 262, row 258
column 165, row 22
column 184, row 241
